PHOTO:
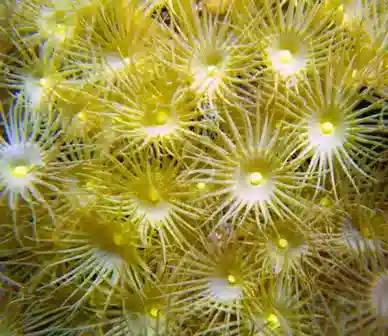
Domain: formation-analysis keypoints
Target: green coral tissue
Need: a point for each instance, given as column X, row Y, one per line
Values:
column 194, row 167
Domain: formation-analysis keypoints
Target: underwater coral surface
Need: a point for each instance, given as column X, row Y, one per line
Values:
column 184, row 167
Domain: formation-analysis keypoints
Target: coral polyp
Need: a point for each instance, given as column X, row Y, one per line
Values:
column 151, row 191
column 366, row 302
column 30, row 156
column 211, row 56
column 292, row 36
column 336, row 131
column 193, row 167
column 214, row 277
column 276, row 309
column 252, row 172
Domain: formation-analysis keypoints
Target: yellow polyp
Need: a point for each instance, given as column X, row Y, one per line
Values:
column 201, row 186
column 273, row 321
column 282, row 243
column 153, row 196
column 154, row 312
column 327, row 128
column 256, row 178
column 285, row 56
column 232, row 279
column 20, row 171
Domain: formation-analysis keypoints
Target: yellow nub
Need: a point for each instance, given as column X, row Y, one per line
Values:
column 60, row 32
column 285, row 56
column 118, row 239
column 256, row 178
column 325, row 202
column 90, row 185
column 367, row 233
column 153, row 196
column 201, row 186
column 232, row 279
column 117, row 120
column 20, row 171
column 327, row 128
column 211, row 71
column 82, row 116
column 161, row 117
column 43, row 82
column 154, row 312
column 282, row 243
column 273, row 321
